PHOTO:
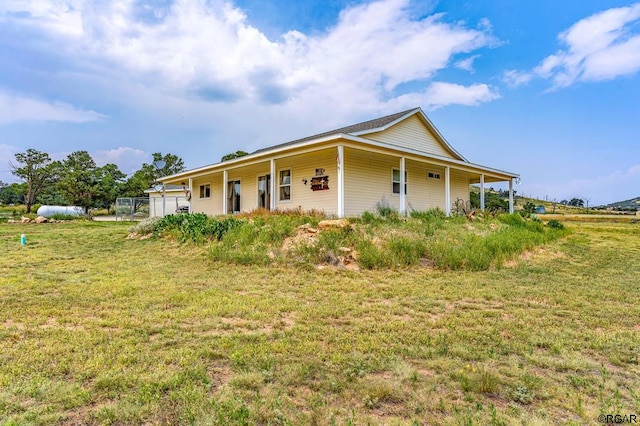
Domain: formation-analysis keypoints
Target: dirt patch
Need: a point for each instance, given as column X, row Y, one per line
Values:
column 539, row 254
column 11, row 324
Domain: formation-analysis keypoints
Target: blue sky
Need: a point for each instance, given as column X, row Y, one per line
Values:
column 546, row 89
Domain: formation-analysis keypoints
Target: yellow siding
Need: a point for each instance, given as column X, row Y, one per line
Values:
column 459, row 187
column 210, row 206
column 304, row 167
column 424, row 193
column 367, row 181
column 411, row 133
column 248, row 177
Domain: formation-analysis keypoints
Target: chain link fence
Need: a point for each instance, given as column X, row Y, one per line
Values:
column 132, row 208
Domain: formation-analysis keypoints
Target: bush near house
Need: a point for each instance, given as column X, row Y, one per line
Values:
column 374, row 241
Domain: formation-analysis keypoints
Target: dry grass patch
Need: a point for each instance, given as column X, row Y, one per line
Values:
column 98, row 329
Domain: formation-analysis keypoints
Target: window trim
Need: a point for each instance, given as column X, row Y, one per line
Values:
column 280, row 185
column 202, row 187
column 406, row 180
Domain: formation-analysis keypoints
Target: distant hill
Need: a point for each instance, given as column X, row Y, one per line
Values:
column 632, row 204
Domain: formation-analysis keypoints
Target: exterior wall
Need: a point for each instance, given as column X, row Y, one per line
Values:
column 411, row 133
column 212, row 205
column 304, row 166
column 460, row 182
column 368, row 179
column 248, row 177
column 424, row 193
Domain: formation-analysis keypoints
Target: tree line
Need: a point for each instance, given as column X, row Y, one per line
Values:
column 78, row 181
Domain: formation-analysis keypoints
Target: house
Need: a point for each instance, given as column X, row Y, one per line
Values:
column 401, row 158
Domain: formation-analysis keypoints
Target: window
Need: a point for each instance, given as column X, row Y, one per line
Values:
column 264, row 192
column 396, row 181
column 233, row 196
column 284, row 184
column 433, row 175
column 205, row 191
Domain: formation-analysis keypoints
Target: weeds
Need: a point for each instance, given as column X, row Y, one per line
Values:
column 374, row 242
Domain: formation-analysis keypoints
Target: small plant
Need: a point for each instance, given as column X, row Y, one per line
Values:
column 529, row 207
column 477, row 379
column 146, row 226
column 386, row 211
column 368, row 218
column 555, row 224
column 429, row 215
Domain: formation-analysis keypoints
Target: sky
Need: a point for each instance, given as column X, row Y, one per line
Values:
column 544, row 88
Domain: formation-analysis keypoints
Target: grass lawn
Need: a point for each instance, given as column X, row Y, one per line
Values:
column 98, row 329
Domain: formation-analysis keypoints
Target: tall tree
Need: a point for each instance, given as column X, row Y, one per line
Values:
column 143, row 179
column 13, row 194
column 36, row 170
column 110, row 184
column 576, row 202
column 172, row 164
column 233, row 155
column 79, row 179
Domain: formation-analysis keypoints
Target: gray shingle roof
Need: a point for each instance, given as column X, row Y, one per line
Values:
column 376, row 123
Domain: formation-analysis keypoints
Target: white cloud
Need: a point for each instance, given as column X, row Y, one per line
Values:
column 515, row 78
column 126, row 158
column 601, row 47
column 441, row 94
column 208, row 50
column 467, row 63
column 14, row 108
column 618, row 185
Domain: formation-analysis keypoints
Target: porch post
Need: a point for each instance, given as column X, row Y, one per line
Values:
column 403, row 197
column 340, row 161
column 447, row 191
column 482, row 192
column 225, row 178
column 272, row 185
column 511, row 195
column 190, row 194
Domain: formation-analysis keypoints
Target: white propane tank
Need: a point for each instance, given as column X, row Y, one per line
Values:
column 48, row 211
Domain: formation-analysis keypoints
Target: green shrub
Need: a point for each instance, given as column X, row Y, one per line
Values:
column 386, row 211
column 146, row 226
column 554, row 224
column 429, row 215
column 195, row 227
column 368, row 218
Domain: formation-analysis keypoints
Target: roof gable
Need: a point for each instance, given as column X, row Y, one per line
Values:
column 354, row 129
column 407, row 134
column 417, row 133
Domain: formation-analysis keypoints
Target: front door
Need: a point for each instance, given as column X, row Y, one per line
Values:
column 264, row 192
column 233, row 194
